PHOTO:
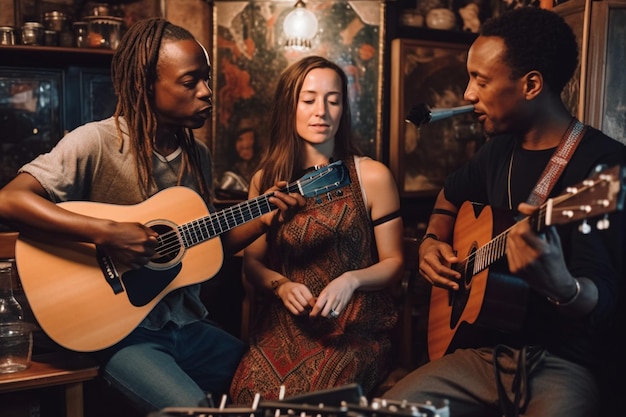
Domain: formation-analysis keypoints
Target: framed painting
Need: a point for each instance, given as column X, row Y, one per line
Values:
column 431, row 73
column 606, row 85
column 249, row 53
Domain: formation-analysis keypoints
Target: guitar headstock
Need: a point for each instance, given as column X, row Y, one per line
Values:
column 602, row 193
column 333, row 402
column 323, row 180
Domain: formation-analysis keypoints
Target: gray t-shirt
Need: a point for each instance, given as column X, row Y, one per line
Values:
column 91, row 164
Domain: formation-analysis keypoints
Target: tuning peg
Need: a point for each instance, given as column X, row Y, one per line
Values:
column 584, row 227
column 604, row 223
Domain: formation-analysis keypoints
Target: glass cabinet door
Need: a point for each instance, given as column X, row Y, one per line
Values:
column 30, row 116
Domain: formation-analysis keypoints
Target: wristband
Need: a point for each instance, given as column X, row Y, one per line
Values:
column 567, row 302
column 278, row 283
column 429, row 236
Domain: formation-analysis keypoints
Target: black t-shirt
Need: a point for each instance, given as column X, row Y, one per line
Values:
column 502, row 175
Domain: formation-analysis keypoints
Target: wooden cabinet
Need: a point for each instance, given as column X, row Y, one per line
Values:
column 44, row 92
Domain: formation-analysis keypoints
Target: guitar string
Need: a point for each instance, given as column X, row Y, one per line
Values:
column 499, row 240
column 509, row 179
column 170, row 243
column 486, row 252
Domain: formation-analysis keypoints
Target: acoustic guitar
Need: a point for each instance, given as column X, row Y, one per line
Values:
column 85, row 302
column 495, row 300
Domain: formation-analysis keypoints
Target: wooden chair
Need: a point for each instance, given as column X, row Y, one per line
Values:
column 406, row 338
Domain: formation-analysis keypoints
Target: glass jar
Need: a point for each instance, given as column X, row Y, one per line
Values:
column 81, row 34
column 104, row 31
column 55, row 20
column 7, row 35
column 32, row 33
column 50, row 37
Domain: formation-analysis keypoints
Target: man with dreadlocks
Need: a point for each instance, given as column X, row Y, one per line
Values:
column 161, row 76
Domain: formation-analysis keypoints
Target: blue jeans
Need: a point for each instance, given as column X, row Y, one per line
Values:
column 173, row 367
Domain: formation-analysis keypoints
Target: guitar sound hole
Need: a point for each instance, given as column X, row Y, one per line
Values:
column 169, row 246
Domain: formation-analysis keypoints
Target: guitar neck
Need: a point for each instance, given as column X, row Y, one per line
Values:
column 192, row 233
column 208, row 227
column 570, row 209
column 495, row 249
column 488, row 254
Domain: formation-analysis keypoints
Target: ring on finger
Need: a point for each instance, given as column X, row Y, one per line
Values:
column 333, row 314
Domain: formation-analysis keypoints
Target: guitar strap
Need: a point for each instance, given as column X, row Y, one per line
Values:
column 557, row 163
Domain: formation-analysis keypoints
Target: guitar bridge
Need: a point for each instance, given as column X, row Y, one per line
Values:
column 110, row 272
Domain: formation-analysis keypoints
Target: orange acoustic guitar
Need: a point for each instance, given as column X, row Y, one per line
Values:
column 495, row 300
column 84, row 302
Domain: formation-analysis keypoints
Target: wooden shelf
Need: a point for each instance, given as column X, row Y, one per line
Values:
column 53, row 56
column 66, row 369
column 58, row 368
column 424, row 33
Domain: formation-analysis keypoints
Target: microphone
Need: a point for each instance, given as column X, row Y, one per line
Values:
column 421, row 114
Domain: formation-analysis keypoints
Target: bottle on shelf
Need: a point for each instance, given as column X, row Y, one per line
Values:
column 16, row 338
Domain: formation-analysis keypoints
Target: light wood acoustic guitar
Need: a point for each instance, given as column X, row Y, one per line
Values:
column 495, row 300
column 85, row 302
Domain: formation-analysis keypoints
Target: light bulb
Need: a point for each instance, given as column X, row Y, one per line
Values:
column 300, row 27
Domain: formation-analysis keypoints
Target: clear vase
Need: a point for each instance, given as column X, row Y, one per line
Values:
column 16, row 338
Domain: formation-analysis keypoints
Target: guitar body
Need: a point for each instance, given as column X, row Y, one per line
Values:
column 488, row 298
column 77, row 298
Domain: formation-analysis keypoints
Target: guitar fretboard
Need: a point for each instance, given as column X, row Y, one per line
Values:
column 495, row 249
column 489, row 253
column 220, row 222
column 205, row 228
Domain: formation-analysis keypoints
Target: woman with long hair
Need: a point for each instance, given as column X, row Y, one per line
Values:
column 328, row 268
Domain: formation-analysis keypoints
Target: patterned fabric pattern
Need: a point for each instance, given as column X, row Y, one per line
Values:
column 331, row 236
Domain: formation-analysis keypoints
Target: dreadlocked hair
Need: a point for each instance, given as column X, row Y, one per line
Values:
column 134, row 72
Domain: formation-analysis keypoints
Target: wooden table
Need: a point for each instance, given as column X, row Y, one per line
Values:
column 55, row 369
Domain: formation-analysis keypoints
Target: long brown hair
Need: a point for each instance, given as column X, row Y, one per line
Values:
column 134, row 72
column 283, row 158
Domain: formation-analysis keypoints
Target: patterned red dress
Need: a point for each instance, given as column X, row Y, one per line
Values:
column 332, row 235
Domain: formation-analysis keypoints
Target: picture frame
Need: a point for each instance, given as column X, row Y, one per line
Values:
column 606, row 86
column 248, row 57
column 435, row 74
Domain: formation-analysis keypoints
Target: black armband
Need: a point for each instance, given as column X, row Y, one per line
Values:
column 386, row 218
